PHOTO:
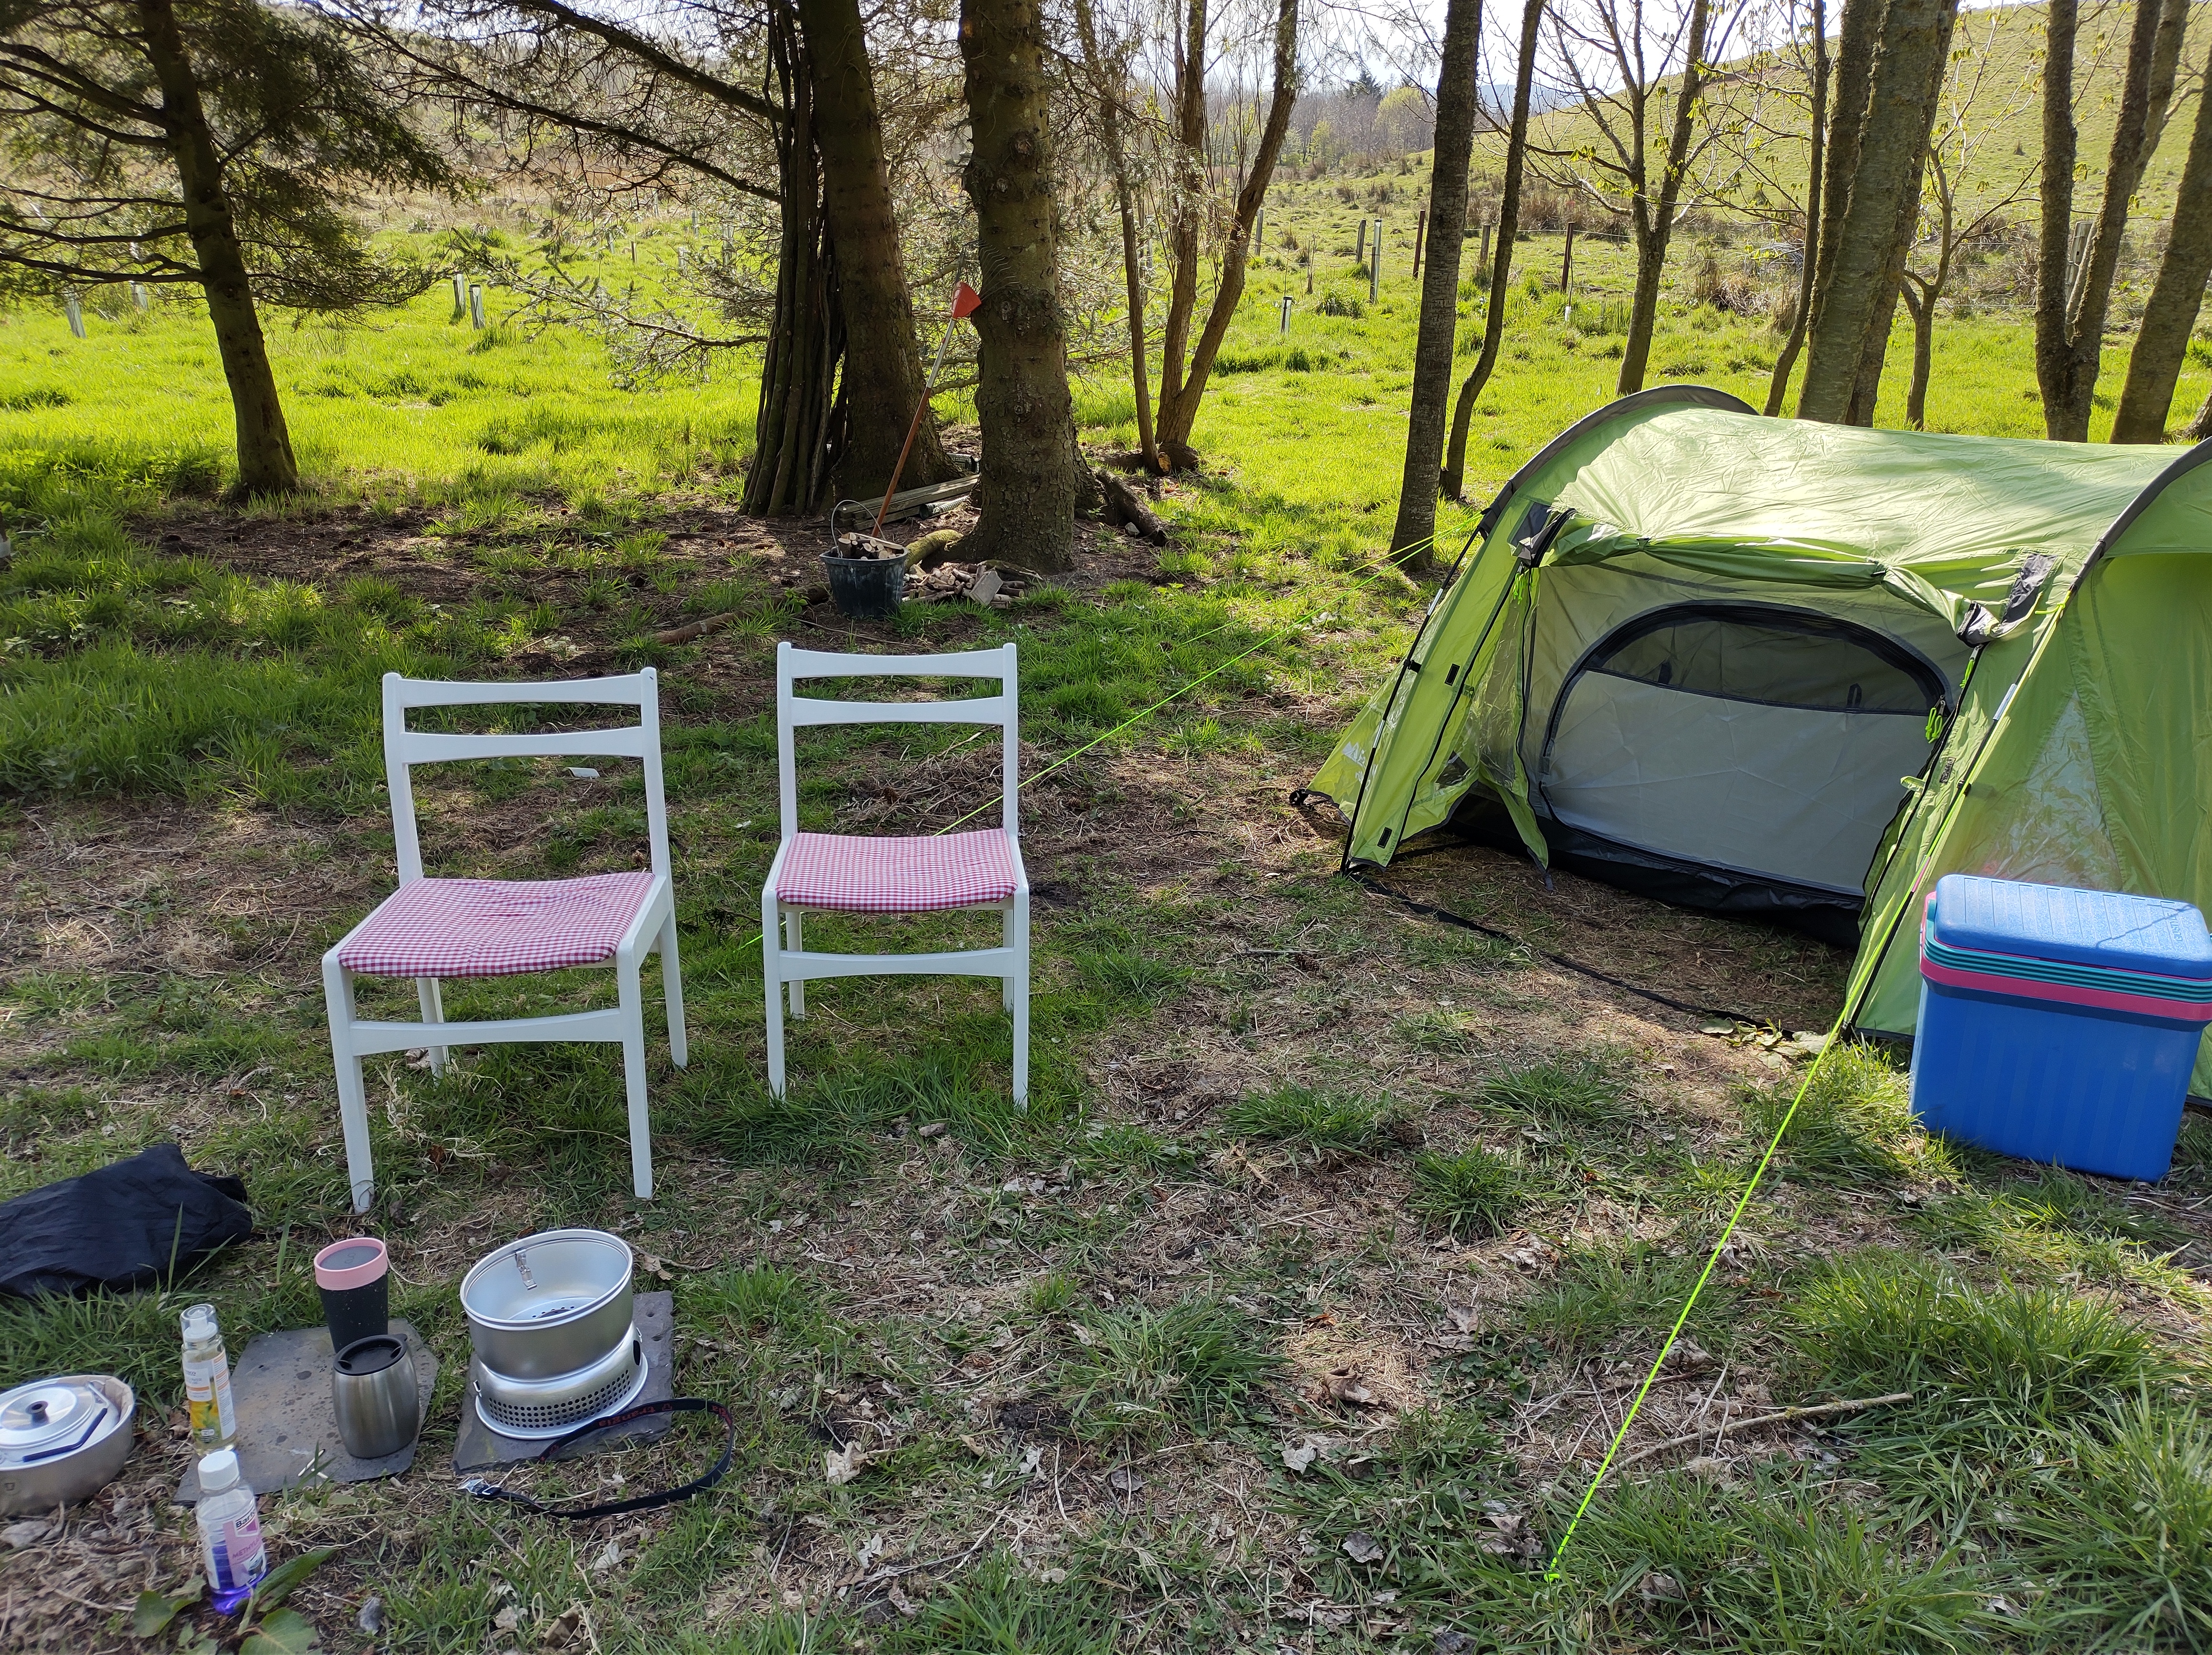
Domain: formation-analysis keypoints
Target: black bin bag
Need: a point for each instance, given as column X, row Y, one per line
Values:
column 119, row 1227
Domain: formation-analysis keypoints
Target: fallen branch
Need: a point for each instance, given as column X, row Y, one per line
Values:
column 690, row 629
column 1820, row 1410
column 1125, row 505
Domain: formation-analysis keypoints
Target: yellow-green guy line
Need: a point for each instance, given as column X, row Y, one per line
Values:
column 1613, row 1448
column 1920, row 875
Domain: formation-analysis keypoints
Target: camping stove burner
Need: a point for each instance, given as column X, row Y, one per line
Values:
column 553, row 1407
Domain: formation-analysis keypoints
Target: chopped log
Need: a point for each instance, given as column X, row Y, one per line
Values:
column 1124, row 504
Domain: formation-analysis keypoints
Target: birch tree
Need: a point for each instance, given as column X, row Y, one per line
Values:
column 1501, row 263
column 2177, row 294
column 1187, row 362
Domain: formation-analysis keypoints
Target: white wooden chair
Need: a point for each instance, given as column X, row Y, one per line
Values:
column 430, row 929
column 859, row 874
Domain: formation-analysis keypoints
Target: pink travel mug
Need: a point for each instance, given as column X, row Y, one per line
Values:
column 355, row 1278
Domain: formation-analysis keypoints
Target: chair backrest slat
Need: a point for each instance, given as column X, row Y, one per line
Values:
column 982, row 709
column 833, row 664
column 404, row 747
column 636, row 689
column 428, row 747
column 794, row 711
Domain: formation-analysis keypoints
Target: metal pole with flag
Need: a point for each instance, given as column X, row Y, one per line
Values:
column 965, row 301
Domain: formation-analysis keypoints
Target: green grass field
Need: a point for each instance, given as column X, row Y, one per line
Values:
column 1294, row 1311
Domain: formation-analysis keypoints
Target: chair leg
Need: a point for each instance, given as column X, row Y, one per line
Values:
column 672, row 989
column 771, row 971
column 1017, row 925
column 353, row 1096
column 632, row 1000
column 1007, row 935
column 434, row 1011
column 798, row 983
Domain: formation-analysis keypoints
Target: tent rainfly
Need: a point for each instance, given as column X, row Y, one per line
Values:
column 1799, row 672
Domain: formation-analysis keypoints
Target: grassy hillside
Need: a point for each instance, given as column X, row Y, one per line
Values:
column 1994, row 86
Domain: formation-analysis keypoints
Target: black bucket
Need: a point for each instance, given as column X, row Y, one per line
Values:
column 866, row 588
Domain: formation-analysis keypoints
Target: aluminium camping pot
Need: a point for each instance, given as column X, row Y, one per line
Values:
column 549, row 1304
column 62, row 1440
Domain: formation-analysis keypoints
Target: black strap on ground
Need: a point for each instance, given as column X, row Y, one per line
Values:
column 714, row 1474
column 1432, row 912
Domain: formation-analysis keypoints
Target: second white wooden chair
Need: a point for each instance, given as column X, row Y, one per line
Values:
column 859, row 874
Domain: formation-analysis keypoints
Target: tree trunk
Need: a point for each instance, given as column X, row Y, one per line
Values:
column 2061, row 23
column 1874, row 350
column 1501, row 265
column 1865, row 262
column 1654, row 221
column 2069, row 354
column 883, row 375
column 2200, row 427
column 1179, row 406
column 1859, row 32
column 1108, row 88
column 1412, row 537
column 266, row 465
column 798, row 430
column 1022, row 397
column 1190, row 183
column 1920, row 300
column 2155, row 365
column 1777, row 383
column 1643, row 308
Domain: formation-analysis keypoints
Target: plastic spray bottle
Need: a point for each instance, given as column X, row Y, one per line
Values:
column 207, row 1382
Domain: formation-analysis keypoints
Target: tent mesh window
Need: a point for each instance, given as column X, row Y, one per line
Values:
column 1764, row 741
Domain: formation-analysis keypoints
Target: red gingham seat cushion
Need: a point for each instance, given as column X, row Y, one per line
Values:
column 896, row 876
column 495, row 927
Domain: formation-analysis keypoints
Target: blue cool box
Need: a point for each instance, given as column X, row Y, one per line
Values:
column 2059, row 1025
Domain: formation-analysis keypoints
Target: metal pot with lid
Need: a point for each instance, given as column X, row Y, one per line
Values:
column 549, row 1304
column 63, row 1440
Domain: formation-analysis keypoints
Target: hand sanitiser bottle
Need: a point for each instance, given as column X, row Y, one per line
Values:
column 230, row 1525
column 207, row 1382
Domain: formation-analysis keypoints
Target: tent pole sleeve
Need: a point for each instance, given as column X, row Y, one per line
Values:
column 1877, row 878
column 1530, row 554
column 1397, row 684
column 1848, row 1021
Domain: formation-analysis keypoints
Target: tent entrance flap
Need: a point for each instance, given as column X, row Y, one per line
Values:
column 1764, row 741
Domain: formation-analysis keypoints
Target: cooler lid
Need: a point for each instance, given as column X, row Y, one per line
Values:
column 2149, row 934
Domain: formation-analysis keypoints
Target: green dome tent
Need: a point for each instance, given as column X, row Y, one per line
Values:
column 1799, row 672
